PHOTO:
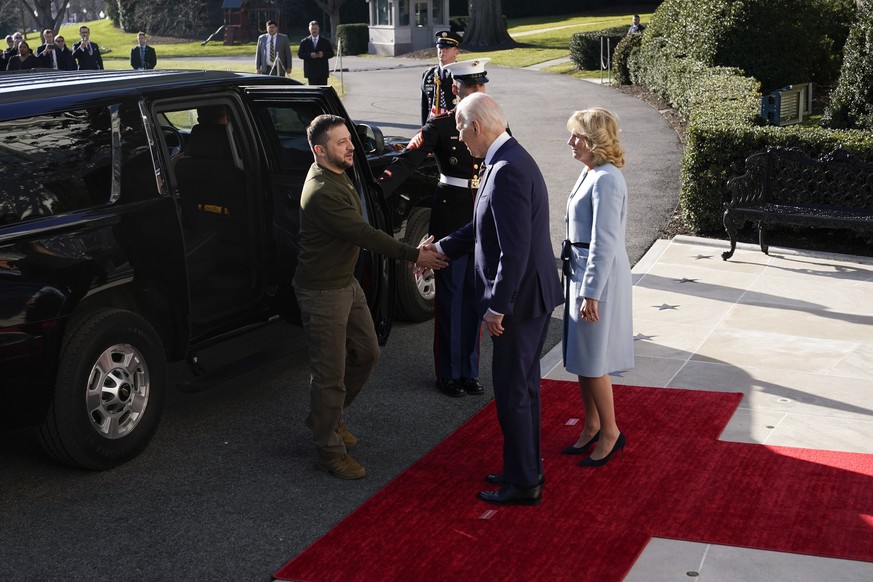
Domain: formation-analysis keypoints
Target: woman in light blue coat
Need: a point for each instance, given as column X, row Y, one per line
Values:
column 598, row 317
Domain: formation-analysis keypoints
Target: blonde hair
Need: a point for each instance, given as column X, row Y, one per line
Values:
column 599, row 127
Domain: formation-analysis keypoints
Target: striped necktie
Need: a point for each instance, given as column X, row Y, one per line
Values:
column 272, row 49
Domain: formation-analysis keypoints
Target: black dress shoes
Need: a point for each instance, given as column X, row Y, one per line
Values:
column 512, row 495
column 450, row 387
column 499, row 479
column 472, row 386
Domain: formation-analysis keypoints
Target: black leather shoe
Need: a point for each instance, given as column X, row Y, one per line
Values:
column 450, row 387
column 472, row 386
column 512, row 495
column 498, row 479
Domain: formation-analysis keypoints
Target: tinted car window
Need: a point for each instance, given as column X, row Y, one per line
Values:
column 51, row 164
column 138, row 177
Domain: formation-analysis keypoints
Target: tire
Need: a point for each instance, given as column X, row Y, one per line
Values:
column 109, row 392
column 415, row 295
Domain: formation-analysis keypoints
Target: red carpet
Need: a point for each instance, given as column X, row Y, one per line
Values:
column 676, row 481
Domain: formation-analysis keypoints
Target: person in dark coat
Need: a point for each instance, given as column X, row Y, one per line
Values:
column 87, row 53
column 456, row 333
column 315, row 52
column 517, row 287
column 23, row 60
column 63, row 55
column 142, row 56
column 11, row 50
column 436, row 82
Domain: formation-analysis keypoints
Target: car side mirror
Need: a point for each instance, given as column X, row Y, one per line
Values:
column 372, row 138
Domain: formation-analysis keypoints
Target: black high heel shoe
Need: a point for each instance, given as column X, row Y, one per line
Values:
column 619, row 446
column 574, row 450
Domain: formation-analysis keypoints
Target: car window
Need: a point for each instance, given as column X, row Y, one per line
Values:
column 210, row 126
column 55, row 163
column 138, row 176
column 286, row 127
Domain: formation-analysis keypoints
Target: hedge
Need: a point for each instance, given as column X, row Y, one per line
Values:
column 585, row 46
column 779, row 42
column 354, row 38
column 623, row 51
column 851, row 103
column 722, row 106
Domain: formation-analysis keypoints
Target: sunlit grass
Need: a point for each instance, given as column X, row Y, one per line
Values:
column 541, row 39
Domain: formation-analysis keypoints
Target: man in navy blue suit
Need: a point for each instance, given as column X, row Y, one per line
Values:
column 315, row 51
column 516, row 284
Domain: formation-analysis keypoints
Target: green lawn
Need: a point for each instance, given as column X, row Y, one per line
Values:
column 540, row 39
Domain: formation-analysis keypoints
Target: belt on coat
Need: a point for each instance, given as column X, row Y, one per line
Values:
column 452, row 181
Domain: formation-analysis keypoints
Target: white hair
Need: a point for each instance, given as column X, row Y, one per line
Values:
column 483, row 108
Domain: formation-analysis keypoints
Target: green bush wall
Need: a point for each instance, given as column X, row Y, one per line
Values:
column 722, row 106
column 851, row 103
column 585, row 46
column 355, row 38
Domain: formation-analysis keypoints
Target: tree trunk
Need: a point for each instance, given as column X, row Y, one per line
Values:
column 332, row 8
column 486, row 29
column 45, row 18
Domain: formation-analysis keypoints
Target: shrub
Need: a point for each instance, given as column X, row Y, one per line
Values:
column 623, row 51
column 354, row 38
column 585, row 46
column 722, row 106
column 779, row 42
column 458, row 23
column 851, row 103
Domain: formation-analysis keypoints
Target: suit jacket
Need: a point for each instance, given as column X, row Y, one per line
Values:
column 64, row 58
column 283, row 53
column 515, row 264
column 315, row 68
column 137, row 62
column 87, row 60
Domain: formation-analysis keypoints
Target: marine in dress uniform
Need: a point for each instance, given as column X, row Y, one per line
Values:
column 456, row 323
column 436, row 82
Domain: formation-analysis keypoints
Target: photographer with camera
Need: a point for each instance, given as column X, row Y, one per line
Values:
column 54, row 54
column 87, row 53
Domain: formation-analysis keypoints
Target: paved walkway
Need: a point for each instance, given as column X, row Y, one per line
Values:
column 385, row 91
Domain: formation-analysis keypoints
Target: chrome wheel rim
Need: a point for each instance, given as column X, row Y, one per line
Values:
column 118, row 391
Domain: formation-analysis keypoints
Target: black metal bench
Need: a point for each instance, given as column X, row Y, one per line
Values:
column 785, row 186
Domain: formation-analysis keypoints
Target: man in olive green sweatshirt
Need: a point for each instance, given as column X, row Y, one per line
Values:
column 343, row 349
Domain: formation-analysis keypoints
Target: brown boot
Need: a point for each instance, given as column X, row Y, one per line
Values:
column 348, row 438
column 342, row 466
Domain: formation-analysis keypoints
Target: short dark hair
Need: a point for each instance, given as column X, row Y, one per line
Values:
column 316, row 133
column 269, row 22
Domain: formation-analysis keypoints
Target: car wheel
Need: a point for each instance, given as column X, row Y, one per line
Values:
column 109, row 391
column 415, row 293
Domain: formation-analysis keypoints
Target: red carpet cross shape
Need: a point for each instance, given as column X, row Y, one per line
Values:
column 676, row 480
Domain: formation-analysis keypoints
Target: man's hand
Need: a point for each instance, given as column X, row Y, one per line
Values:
column 429, row 257
column 493, row 323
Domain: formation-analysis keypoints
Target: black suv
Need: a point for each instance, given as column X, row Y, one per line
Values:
column 144, row 215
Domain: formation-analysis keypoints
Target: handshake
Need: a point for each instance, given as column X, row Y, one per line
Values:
column 429, row 258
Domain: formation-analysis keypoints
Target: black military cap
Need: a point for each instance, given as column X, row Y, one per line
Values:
column 447, row 39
